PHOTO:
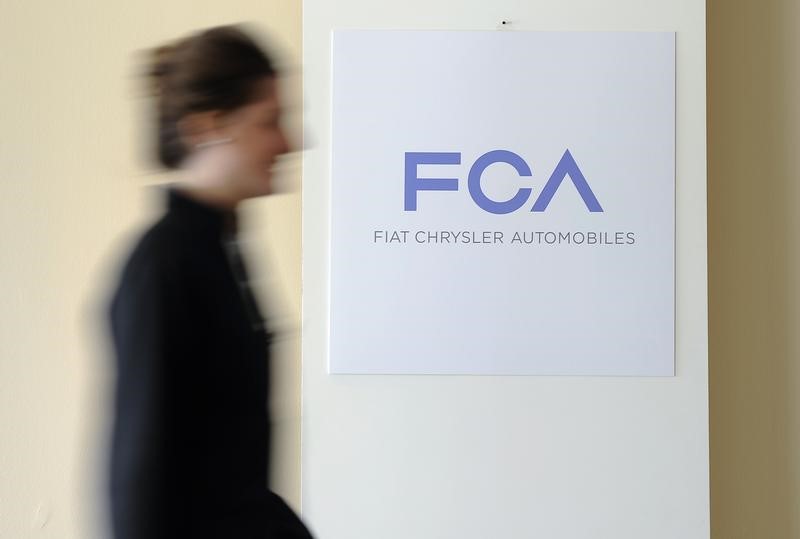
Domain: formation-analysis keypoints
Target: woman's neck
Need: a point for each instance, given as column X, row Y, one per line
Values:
column 206, row 179
column 211, row 192
column 217, row 198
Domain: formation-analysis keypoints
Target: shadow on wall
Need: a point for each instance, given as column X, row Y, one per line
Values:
column 754, row 284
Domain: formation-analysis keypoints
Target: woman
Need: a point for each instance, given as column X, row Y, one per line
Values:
column 190, row 442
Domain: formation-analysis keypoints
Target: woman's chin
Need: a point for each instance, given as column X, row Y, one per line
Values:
column 262, row 189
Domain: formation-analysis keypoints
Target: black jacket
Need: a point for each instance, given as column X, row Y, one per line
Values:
column 191, row 439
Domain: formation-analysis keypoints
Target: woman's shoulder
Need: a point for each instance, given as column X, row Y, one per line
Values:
column 171, row 252
column 158, row 254
column 157, row 244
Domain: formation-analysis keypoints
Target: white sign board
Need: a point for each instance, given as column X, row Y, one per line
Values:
column 503, row 203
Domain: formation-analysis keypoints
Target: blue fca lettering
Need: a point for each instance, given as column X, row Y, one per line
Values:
column 565, row 167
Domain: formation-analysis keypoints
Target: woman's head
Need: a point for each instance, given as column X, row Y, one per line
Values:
column 218, row 110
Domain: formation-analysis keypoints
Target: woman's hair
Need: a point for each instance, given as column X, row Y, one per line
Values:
column 215, row 69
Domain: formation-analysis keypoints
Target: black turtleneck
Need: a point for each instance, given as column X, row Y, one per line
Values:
column 191, row 439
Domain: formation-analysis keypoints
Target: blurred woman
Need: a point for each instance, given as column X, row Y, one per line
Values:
column 191, row 438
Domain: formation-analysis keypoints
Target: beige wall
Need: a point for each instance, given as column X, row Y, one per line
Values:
column 71, row 195
column 754, row 250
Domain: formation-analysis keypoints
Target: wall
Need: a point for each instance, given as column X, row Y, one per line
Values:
column 477, row 457
column 754, row 258
column 71, row 198
column 71, row 189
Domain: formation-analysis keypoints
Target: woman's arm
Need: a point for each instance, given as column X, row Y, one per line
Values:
column 140, row 325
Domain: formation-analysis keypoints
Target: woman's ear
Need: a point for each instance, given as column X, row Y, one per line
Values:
column 199, row 128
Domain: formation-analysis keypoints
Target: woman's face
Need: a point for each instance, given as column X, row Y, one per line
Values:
column 255, row 139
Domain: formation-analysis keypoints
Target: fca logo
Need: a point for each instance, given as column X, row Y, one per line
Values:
column 565, row 167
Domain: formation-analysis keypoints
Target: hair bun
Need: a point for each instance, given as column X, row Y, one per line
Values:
column 161, row 66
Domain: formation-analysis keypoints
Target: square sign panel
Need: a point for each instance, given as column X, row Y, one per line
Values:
column 503, row 203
